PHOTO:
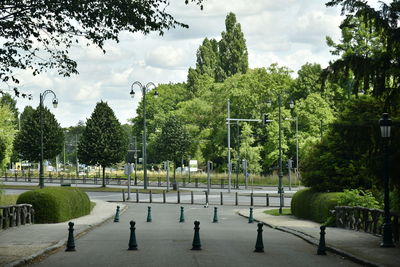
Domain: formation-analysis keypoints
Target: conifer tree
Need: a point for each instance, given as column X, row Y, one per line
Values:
column 103, row 141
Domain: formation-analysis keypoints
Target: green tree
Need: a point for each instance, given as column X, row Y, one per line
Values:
column 7, row 134
column 27, row 142
column 369, row 50
column 173, row 142
column 248, row 151
column 103, row 140
column 232, row 48
column 6, row 99
column 31, row 29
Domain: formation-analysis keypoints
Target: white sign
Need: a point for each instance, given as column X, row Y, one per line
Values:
column 193, row 165
column 128, row 169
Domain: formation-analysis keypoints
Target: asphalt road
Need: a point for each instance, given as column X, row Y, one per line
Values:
column 166, row 242
column 199, row 198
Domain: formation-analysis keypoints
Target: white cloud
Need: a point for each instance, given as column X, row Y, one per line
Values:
column 287, row 32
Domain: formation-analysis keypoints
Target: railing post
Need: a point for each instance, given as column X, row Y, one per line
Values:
column 206, row 197
column 191, row 197
column 251, row 200
column 267, row 199
column 222, row 199
column 137, row 195
column 179, row 196
column 151, row 196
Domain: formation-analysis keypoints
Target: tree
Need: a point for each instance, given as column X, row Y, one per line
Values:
column 248, row 151
column 7, row 134
column 6, row 99
column 232, row 48
column 369, row 50
column 27, row 143
column 173, row 142
column 32, row 29
column 103, row 141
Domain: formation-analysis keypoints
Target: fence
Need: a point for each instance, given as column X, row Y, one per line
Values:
column 364, row 219
column 16, row 215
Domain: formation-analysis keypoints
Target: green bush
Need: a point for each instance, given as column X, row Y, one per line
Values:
column 312, row 205
column 56, row 204
column 360, row 198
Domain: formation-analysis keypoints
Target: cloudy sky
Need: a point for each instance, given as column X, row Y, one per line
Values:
column 287, row 32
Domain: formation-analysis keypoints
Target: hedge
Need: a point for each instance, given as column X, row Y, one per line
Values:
column 56, row 204
column 312, row 205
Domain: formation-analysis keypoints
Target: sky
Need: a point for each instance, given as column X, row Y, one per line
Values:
column 288, row 32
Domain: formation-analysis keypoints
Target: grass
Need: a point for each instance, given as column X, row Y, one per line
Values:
column 275, row 212
column 6, row 200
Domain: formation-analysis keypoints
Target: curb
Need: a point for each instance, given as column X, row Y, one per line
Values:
column 313, row 241
column 62, row 242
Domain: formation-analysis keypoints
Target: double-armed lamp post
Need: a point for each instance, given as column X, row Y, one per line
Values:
column 55, row 103
column 145, row 89
column 280, row 172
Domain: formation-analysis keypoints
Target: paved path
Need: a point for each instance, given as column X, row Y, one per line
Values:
column 166, row 242
column 361, row 247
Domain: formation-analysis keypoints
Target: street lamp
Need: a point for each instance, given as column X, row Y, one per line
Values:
column 280, row 172
column 55, row 103
column 385, row 123
column 145, row 89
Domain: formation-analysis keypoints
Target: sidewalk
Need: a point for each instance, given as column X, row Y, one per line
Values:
column 361, row 247
column 21, row 244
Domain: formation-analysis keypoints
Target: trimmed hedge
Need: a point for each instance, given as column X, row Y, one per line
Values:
column 56, row 204
column 312, row 205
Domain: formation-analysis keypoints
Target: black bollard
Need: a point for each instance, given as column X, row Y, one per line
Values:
column 182, row 218
column 251, row 216
column 71, row 241
column 132, row 239
column 149, row 214
column 259, row 243
column 196, row 245
column 321, row 245
column 116, row 218
column 215, row 220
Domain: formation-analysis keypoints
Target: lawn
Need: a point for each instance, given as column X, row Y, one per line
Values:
column 275, row 212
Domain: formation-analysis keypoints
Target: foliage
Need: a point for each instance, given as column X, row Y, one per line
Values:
column 56, row 204
column 7, row 134
column 31, row 29
column 27, row 142
column 103, row 141
column 311, row 205
column 223, row 59
column 351, row 155
column 356, row 197
column 369, row 50
column 248, row 151
column 173, row 142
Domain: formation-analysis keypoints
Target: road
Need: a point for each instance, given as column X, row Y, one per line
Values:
column 166, row 242
column 185, row 197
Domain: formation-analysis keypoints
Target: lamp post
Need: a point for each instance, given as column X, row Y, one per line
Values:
column 280, row 172
column 145, row 90
column 55, row 103
column 385, row 123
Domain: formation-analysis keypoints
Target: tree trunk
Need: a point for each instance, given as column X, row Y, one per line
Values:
column 174, row 185
column 104, row 176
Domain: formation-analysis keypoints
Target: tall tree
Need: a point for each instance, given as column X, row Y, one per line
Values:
column 27, row 142
column 103, row 141
column 33, row 29
column 232, row 48
column 6, row 99
column 369, row 50
column 173, row 142
column 249, row 151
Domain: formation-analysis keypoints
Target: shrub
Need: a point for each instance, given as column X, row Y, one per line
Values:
column 312, row 205
column 359, row 198
column 56, row 204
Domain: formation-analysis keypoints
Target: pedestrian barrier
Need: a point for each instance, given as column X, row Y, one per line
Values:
column 321, row 246
column 116, row 217
column 132, row 239
column 251, row 216
column 196, row 244
column 182, row 218
column 259, row 242
column 215, row 219
column 149, row 219
column 71, row 241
